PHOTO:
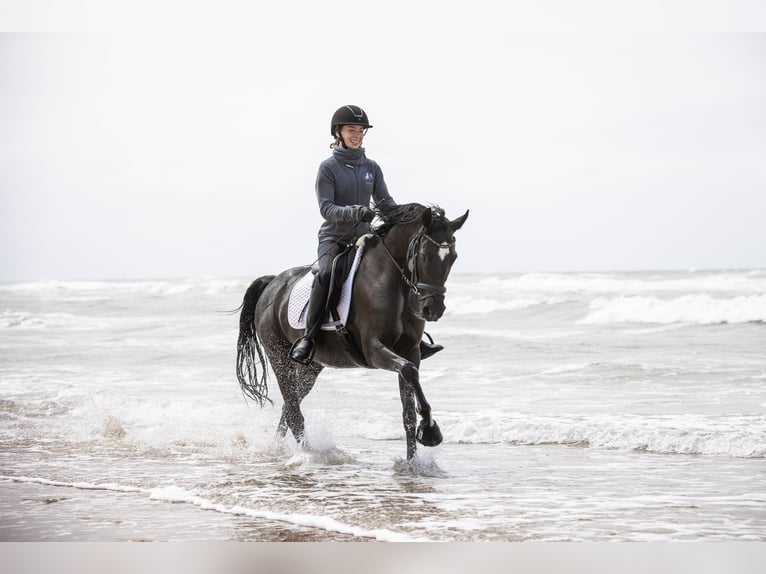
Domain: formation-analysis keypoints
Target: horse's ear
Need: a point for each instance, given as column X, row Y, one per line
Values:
column 458, row 223
column 428, row 216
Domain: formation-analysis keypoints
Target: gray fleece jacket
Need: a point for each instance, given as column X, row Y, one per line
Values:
column 345, row 183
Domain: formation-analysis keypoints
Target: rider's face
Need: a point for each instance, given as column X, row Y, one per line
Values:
column 352, row 136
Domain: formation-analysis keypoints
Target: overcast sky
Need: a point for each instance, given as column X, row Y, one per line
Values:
column 184, row 141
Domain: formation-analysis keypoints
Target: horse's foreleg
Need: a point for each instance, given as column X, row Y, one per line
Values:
column 428, row 432
column 408, row 415
column 411, row 374
column 384, row 358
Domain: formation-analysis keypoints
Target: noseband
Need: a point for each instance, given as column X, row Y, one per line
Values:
column 423, row 290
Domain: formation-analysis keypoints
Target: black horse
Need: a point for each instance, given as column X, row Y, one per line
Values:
column 399, row 286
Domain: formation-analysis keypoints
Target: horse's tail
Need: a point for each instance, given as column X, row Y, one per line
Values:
column 247, row 346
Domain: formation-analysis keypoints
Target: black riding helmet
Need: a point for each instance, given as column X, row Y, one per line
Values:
column 349, row 116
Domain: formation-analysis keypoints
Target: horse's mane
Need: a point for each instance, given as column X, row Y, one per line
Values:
column 393, row 215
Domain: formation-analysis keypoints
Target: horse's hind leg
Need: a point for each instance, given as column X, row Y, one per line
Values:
column 282, row 426
column 295, row 382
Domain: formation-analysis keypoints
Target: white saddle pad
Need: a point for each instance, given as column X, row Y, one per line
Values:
column 299, row 297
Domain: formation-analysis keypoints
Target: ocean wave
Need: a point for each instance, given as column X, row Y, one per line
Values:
column 736, row 282
column 15, row 319
column 10, row 319
column 108, row 289
column 466, row 305
column 500, row 285
column 697, row 309
column 740, row 436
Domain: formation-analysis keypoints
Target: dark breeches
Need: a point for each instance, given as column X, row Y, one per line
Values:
column 327, row 253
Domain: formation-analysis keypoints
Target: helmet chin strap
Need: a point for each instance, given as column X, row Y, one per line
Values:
column 339, row 141
column 339, row 138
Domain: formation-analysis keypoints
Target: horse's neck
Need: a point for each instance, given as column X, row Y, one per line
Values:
column 397, row 241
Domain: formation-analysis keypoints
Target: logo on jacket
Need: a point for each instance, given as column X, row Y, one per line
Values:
column 368, row 177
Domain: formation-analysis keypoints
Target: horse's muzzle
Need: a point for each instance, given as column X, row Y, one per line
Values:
column 432, row 307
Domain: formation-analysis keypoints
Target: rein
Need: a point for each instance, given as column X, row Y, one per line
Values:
column 412, row 263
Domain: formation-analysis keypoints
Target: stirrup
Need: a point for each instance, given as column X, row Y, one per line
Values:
column 297, row 351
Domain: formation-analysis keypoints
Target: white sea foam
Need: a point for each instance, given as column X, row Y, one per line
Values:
column 323, row 456
column 699, row 309
column 79, row 485
column 178, row 495
column 736, row 436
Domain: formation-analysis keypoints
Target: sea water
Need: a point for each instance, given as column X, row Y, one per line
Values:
column 574, row 406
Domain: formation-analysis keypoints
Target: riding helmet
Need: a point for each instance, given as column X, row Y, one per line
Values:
column 349, row 116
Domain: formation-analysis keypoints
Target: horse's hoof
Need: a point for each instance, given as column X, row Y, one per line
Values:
column 429, row 435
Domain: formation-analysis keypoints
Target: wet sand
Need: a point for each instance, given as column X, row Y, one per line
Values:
column 44, row 513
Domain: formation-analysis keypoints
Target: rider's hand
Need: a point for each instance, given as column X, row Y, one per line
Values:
column 366, row 214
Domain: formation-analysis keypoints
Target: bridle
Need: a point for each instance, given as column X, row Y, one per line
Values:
column 422, row 290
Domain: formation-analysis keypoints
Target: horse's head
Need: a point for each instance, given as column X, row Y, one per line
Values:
column 430, row 257
column 422, row 244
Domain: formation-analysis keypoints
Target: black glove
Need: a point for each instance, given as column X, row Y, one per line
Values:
column 366, row 214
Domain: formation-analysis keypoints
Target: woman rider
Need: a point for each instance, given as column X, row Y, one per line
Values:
column 345, row 183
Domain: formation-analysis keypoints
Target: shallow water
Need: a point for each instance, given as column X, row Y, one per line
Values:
column 590, row 407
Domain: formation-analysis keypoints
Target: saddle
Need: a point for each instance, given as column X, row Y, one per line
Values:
column 297, row 305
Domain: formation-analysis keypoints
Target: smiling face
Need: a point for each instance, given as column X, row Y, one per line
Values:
column 352, row 136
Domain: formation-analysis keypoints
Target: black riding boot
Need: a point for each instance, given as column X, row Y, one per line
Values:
column 428, row 349
column 302, row 350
